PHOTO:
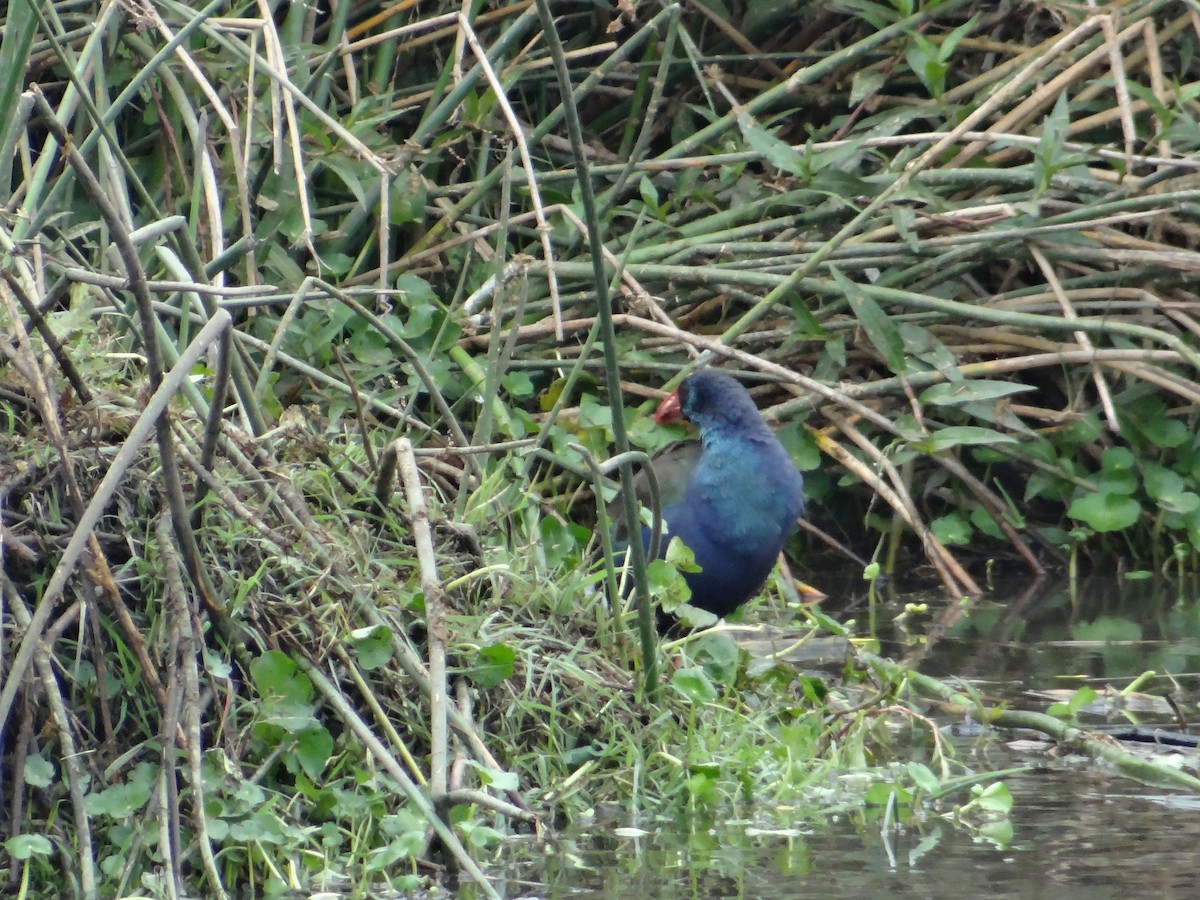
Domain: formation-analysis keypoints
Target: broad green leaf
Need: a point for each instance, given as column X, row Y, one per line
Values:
column 680, row 555
column 39, row 771
column 985, row 524
column 1117, row 459
column 1162, row 483
column 694, row 685
column 122, row 800
column 1166, row 432
column 23, row 846
column 1181, row 504
column 494, row 664
column 923, row 777
column 313, row 749
column 372, row 646
column 951, row 529
column 1105, row 512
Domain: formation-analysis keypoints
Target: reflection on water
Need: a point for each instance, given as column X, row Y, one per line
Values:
column 1077, row 835
column 1079, row 831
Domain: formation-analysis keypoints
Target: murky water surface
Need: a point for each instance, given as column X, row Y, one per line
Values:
column 1078, row 830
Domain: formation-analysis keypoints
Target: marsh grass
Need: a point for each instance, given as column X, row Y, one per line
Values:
column 304, row 376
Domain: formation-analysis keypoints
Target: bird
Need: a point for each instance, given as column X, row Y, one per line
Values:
column 733, row 496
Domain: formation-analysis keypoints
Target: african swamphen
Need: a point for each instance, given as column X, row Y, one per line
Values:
column 733, row 497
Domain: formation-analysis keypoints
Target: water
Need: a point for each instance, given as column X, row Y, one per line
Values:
column 1078, row 829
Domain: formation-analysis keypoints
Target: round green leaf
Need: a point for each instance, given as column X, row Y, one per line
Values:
column 1105, row 512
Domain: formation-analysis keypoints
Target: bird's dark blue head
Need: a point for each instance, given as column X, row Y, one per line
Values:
column 714, row 402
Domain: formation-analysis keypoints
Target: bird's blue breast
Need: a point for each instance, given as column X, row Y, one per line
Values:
column 742, row 501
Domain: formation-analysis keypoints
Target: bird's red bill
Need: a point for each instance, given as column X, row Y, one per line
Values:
column 669, row 410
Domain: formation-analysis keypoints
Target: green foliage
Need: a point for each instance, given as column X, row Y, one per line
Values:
column 384, row 270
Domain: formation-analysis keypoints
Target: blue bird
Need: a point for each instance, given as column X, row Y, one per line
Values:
column 732, row 497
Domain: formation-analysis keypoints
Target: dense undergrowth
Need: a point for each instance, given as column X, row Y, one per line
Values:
column 303, row 381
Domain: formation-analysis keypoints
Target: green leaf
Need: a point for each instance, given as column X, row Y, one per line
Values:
column 680, row 556
column 880, row 329
column 1162, row 483
column 951, row 529
column 971, row 391
column 694, row 685
column 773, row 150
column 406, row 199
column 39, row 771
column 1182, row 504
column 313, row 749
column 494, row 665
column 497, row 778
column 372, row 645
column 1079, row 700
column 122, row 800
column 950, row 41
column 19, row 28
column 881, row 794
column 985, row 524
column 1105, row 511
column 1117, row 459
column 278, row 679
column 999, row 832
column 924, row 778
column 995, row 798
column 961, row 435
column 1166, row 432
column 865, row 83
column 667, row 584
column 23, row 846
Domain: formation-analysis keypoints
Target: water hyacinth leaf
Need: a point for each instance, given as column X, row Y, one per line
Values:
column 1105, row 511
column 971, row 391
column 999, row 833
column 995, row 798
column 880, row 329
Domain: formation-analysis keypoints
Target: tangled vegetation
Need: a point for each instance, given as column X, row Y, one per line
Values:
column 308, row 374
